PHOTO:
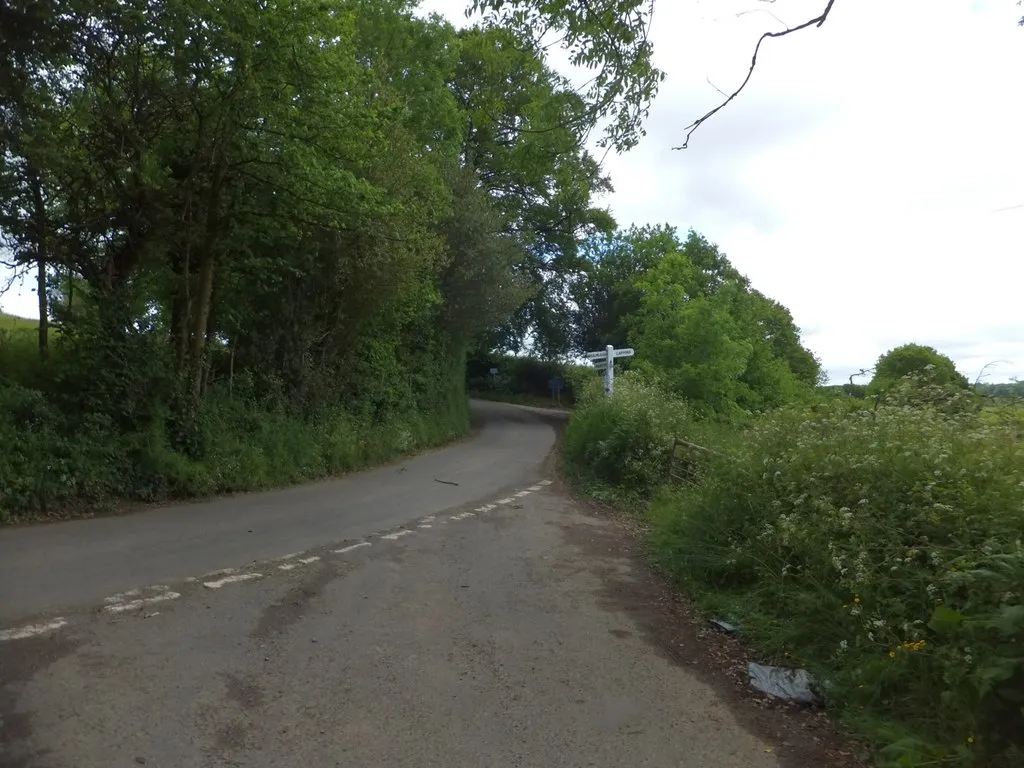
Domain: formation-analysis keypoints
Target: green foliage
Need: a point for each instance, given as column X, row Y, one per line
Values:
column 277, row 223
column 1001, row 389
column 626, row 441
column 707, row 336
column 523, row 379
column 609, row 40
column 63, row 466
column 925, row 363
column 881, row 547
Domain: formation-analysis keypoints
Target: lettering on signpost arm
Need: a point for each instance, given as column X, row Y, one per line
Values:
column 605, row 361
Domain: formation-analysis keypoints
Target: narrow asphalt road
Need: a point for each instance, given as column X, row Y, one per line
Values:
column 384, row 619
column 51, row 568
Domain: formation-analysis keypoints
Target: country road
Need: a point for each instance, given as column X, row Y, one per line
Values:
column 382, row 619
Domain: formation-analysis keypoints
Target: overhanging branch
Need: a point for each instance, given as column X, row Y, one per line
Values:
column 817, row 21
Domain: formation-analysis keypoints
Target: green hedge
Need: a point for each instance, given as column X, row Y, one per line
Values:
column 881, row 548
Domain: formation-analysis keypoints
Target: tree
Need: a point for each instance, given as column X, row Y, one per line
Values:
column 922, row 362
column 294, row 211
column 611, row 37
column 524, row 137
column 701, row 330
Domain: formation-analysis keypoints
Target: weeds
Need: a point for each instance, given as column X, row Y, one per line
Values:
column 881, row 547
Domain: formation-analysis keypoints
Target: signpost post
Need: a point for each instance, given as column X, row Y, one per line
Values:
column 606, row 360
column 556, row 385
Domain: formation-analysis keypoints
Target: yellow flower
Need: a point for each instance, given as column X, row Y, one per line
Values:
column 892, row 654
column 970, row 739
column 856, row 598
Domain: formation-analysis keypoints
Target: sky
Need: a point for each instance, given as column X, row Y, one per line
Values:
column 865, row 178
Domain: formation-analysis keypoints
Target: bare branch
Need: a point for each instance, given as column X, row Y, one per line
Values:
column 726, row 95
column 816, row 21
column 861, row 372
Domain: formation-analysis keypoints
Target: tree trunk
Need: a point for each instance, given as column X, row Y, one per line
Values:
column 199, row 322
column 39, row 225
column 204, row 293
column 44, row 310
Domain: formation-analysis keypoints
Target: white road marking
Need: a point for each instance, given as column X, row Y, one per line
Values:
column 396, row 535
column 485, row 508
column 424, row 525
column 350, row 547
column 546, row 482
column 523, row 493
column 287, row 567
column 509, row 500
column 31, row 630
column 536, row 487
column 120, row 597
column 308, row 560
column 231, row 580
column 134, row 605
column 429, row 519
column 289, row 557
column 221, row 572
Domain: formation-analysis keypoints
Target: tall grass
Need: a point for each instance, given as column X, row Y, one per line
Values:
column 880, row 545
column 882, row 548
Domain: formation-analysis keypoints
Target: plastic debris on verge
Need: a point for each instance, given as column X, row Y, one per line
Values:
column 725, row 626
column 789, row 684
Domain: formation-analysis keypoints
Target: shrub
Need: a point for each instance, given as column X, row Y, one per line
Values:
column 881, row 547
column 925, row 364
column 52, row 464
column 625, row 440
column 521, row 378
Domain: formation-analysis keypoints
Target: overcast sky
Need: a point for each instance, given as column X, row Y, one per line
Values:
column 857, row 178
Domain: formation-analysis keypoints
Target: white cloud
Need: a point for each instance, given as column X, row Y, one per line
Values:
column 856, row 178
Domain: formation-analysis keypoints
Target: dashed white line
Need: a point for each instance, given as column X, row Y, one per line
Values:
column 536, row 487
column 429, row 519
column 120, row 597
column 396, row 535
column 308, row 560
column 546, row 482
column 287, row 566
column 221, row 572
column 350, row 547
column 509, row 500
column 424, row 525
column 31, row 630
column 523, row 493
column 485, row 508
column 231, row 580
column 134, row 605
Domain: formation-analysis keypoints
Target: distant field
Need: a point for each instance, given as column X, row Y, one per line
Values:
column 10, row 322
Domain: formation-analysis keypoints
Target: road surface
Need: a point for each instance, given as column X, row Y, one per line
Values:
column 383, row 619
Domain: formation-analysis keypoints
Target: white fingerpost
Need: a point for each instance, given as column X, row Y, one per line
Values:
column 609, row 371
column 605, row 360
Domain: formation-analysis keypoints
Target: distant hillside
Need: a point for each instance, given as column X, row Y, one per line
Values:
column 10, row 322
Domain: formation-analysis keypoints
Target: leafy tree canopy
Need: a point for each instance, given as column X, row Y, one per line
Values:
column 922, row 362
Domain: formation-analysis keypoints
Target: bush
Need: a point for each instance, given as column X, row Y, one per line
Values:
column 625, row 441
column 53, row 465
column 882, row 548
column 521, row 378
column 923, row 364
